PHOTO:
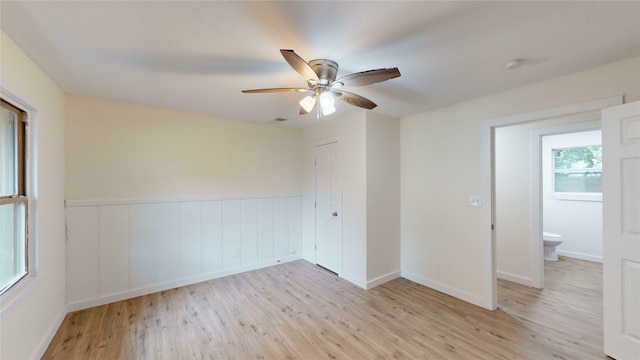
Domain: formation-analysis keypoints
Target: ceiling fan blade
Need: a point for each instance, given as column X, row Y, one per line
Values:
column 369, row 77
column 299, row 65
column 355, row 100
column 273, row 90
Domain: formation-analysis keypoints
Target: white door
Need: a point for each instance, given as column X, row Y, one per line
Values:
column 328, row 206
column 621, row 230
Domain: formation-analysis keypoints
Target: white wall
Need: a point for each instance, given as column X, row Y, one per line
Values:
column 579, row 222
column 370, row 146
column 117, row 150
column 383, row 199
column 440, row 167
column 31, row 314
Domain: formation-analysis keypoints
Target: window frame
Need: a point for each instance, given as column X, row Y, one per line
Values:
column 572, row 196
column 21, row 196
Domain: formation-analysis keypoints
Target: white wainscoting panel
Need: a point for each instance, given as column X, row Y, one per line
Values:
column 281, row 227
column 266, row 243
column 231, row 233
column 249, row 231
column 212, row 236
column 122, row 249
column 191, row 239
column 82, row 253
column 113, row 248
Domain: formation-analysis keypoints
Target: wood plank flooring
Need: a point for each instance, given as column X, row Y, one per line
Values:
column 300, row 311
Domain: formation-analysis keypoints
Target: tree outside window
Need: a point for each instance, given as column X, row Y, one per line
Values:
column 578, row 169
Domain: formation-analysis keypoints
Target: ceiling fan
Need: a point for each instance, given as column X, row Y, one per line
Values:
column 320, row 75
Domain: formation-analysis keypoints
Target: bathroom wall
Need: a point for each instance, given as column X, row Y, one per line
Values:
column 579, row 222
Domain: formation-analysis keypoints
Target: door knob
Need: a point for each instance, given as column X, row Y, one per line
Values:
column 335, row 213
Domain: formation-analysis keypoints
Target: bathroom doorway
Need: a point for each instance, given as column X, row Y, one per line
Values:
column 541, row 119
column 522, row 189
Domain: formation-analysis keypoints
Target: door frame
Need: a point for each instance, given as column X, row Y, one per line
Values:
column 487, row 154
column 315, row 145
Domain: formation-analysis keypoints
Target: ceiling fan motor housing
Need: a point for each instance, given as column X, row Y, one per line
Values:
column 327, row 70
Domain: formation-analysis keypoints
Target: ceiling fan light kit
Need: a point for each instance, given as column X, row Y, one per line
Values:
column 307, row 103
column 327, row 103
column 320, row 75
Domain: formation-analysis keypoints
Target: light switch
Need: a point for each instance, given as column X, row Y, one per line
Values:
column 475, row 201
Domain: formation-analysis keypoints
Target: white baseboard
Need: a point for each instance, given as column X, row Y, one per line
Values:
column 580, row 256
column 107, row 299
column 383, row 279
column 51, row 332
column 475, row 300
column 354, row 280
column 515, row 278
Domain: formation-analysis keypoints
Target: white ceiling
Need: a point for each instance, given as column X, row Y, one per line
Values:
column 197, row 56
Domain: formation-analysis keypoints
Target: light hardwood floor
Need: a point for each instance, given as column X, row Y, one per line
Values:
column 300, row 311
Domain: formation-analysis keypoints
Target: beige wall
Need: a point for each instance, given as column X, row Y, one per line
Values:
column 117, row 150
column 383, row 197
column 370, row 146
column 31, row 314
column 440, row 168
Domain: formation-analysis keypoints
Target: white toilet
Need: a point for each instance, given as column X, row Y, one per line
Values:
column 551, row 240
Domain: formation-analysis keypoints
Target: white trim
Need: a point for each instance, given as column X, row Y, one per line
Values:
column 537, row 257
column 84, row 304
column 31, row 158
column 124, row 201
column 475, row 300
column 17, row 291
column 565, row 196
column 383, row 279
column 354, row 280
column 49, row 334
column 490, row 295
column 326, row 141
column 580, row 256
column 515, row 279
column 487, row 233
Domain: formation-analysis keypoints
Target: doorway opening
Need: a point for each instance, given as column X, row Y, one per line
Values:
column 489, row 182
column 526, row 204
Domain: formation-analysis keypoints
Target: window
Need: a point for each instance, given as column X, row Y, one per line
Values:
column 577, row 173
column 13, row 197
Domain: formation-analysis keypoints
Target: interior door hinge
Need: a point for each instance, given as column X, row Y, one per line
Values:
column 315, row 204
column 315, row 162
column 492, row 227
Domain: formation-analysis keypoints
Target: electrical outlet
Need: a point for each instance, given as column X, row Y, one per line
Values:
column 475, row 201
